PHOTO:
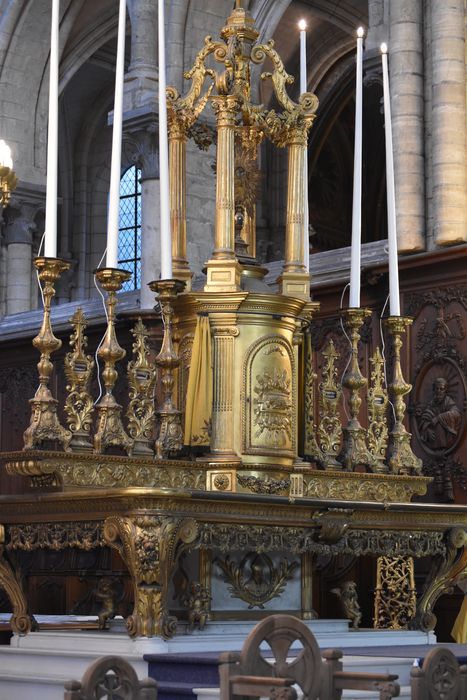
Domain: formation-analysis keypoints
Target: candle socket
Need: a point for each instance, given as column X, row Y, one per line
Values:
column 401, row 459
column 8, row 182
column 44, row 425
column 110, row 431
column 354, row 450
column 170, row 439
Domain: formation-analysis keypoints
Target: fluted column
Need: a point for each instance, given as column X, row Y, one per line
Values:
column 449, row 122
column 295, row 281
column 224, row 242
column 223, row 420
column 407, row 101
column 223, row 270
column 177, row 196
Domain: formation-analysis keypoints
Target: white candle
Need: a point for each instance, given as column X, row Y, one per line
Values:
column 303, row 88
column 355, row 251
column 166, row 237
column 111, row 259
column 394, row 300
column 50, row 241
column 6, row 160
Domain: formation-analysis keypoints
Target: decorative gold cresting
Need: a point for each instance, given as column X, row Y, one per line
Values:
column 330, row 393
column 110, row 431
column 400, row 456
column 44, row 425
column 79, row 405
column 229, row 92
column 354, row 450
column 170, row 440
column 141, row 382
column 377, row 399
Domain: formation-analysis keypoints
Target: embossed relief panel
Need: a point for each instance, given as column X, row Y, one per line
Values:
column 439, row 398
column 268, row 398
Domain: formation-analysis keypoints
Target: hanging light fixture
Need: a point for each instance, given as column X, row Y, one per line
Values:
column 8, row 179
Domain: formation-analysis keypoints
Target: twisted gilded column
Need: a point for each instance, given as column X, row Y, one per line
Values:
column 177, row 198
column 449, row 166
column 223, row 270
column 407, row 108
column 295, row 281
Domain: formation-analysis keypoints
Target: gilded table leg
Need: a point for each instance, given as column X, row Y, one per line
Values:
column 10, row 580
column 150, row 547
column 445, row 571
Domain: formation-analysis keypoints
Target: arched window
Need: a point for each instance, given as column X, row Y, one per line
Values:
column 129, row 233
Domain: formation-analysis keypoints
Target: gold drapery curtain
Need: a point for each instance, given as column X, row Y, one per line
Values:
column 198, row 406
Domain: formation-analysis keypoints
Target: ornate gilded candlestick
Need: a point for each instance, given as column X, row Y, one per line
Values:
column 354, row 450
column 170, row 438
column 110, row 430
column 141, row 382
column 44, row 425
column 79, row 405
column 401, row 459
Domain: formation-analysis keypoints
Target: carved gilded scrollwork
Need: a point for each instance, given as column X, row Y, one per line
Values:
column 446, row 567
column 395, row 595
column 10, row 580
column 150, row 548
column 330, row 393
column 377, row 401
column 141, row 382
column 79, row 405
column 256, row 579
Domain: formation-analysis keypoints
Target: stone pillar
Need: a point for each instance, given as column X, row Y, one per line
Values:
column 150, row 238
column 407, row 95
column 19, row 233
column 142, row 76
column 377, row 32
column 449, row 122
column 223, row 269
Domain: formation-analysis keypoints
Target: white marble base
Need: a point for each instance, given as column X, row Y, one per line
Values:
column 37, row 665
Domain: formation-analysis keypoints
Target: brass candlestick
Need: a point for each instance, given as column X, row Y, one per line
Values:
column 110, row 431
column 354, row 450
column 401, row 459
column 8, row 182
column 44, row 425
column 170, row 438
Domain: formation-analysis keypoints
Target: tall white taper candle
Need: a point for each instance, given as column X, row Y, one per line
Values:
column 51, row 203
column 166, row 236
column 303, row 88
column 355, row 251
column 111, row 259
column 394, row 298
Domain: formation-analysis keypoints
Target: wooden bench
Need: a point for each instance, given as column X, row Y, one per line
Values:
column 111, row 677
column 318, row 675
column 440, row 677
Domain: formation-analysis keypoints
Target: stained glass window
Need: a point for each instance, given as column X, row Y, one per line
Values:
column 129, row 227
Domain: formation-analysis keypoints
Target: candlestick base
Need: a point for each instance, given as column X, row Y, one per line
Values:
column 44, row 425
column 170, row 439
column 401, row 459
column 110, row 431
column 354, row 451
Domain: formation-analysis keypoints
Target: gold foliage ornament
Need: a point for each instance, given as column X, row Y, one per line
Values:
column 256, row 580
column 141, row 382
column 79, row 406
